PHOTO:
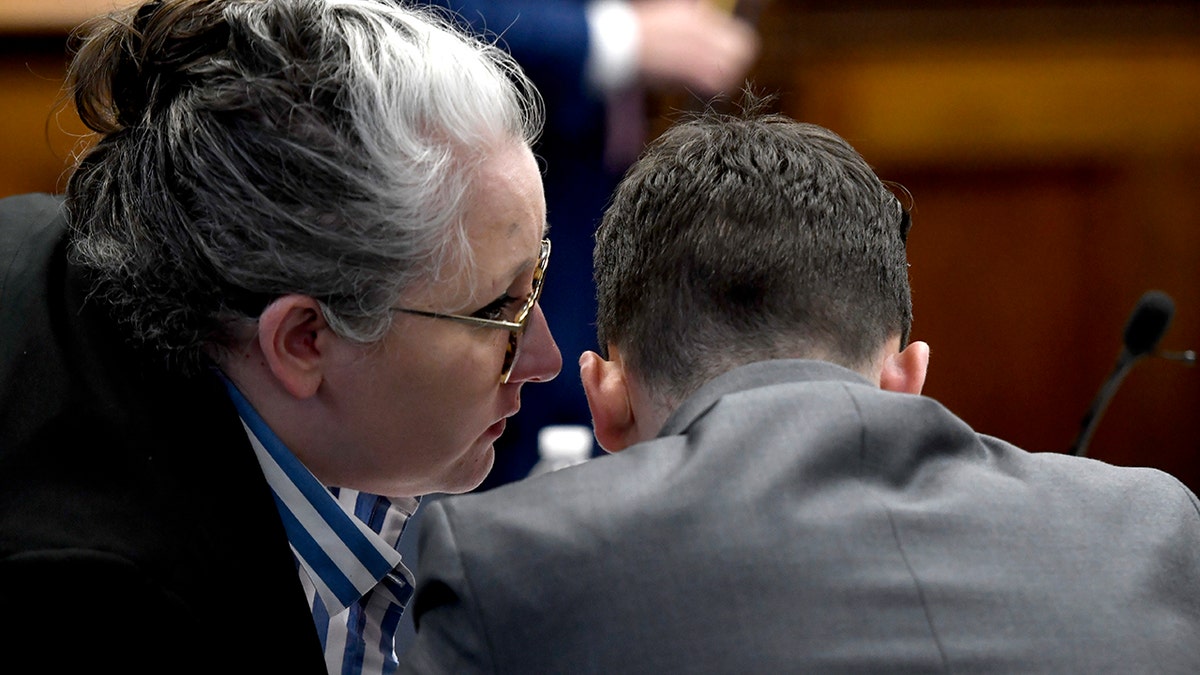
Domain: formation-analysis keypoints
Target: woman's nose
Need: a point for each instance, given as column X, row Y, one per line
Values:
column 538, row 358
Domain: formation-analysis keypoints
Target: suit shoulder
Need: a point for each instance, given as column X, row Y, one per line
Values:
column 28, row 213
column 30, row 228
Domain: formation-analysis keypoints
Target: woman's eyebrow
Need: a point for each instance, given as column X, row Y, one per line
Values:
column 520, row 268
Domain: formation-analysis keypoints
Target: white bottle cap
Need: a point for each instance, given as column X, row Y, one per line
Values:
column 565, row 441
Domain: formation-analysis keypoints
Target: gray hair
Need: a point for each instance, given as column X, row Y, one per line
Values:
column 254, row 148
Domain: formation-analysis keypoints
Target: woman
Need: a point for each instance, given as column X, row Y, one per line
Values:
column 301, row 261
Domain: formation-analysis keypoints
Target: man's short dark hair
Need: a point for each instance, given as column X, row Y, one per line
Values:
column 742, row 238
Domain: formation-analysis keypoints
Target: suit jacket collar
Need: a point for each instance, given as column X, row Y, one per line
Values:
column 753, row 376
column 183, row 434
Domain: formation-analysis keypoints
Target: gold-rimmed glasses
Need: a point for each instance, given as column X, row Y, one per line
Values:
column 516, row 327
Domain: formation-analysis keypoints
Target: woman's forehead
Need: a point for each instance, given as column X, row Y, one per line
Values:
column 504, row 221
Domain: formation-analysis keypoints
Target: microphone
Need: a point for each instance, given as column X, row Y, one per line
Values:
column 1145, row 328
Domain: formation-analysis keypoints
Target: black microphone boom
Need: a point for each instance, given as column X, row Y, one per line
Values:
column 1146, row 327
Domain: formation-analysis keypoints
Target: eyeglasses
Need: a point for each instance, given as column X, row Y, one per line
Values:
column 516, row 327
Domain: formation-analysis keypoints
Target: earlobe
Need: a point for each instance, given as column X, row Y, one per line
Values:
column 608, row 399
column 905, row 371
column 291, row 335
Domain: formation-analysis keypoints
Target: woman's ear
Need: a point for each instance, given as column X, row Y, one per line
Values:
column 905, row 371
column 607, row 390
column 293, row 337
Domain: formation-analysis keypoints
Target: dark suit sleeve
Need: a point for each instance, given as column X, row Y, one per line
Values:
column 548, row 35
column 450, row 634
column 549, row 38
column 83, row 610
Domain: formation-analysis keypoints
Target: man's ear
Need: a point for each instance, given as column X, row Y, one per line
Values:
column 905, row 371
column 293, row 337
column 607, row 390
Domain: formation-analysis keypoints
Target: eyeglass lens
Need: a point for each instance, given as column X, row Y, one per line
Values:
column 539, row 273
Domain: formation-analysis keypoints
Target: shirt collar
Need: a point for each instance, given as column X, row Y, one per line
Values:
column 344, row 540
column 752, row 376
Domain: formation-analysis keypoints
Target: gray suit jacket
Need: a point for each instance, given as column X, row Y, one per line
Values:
column 794, row 518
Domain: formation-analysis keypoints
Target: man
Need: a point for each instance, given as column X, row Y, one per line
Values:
column 782, row 499
column 293, row 286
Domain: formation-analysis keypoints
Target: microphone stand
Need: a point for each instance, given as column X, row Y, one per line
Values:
column 1092, row 418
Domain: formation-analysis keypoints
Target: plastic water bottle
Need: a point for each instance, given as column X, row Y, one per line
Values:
column 562, row 445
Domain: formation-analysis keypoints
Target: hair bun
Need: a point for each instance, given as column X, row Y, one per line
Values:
column 135, row 61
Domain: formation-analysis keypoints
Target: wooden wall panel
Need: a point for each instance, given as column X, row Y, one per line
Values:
column 37, row 134
column 47, row 17
column 1052, row 154
column 1023, row 280
column 1041, row 103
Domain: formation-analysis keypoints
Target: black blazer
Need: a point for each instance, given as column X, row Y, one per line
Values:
column 136, row 528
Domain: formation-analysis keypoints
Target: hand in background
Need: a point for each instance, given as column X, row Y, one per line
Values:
column 690, row 43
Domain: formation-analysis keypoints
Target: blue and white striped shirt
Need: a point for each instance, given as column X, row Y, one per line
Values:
column 345, row 546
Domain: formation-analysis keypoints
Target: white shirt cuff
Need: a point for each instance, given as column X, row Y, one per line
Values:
column 614, row 38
